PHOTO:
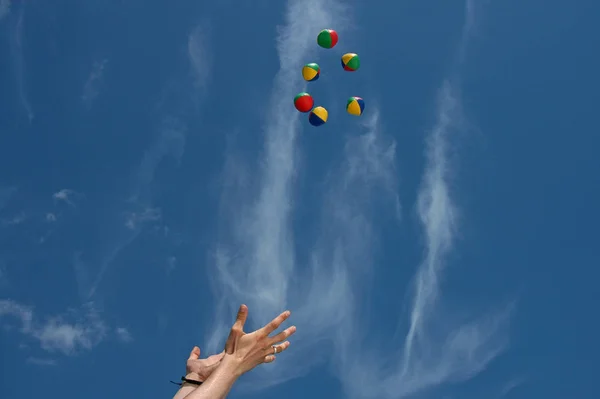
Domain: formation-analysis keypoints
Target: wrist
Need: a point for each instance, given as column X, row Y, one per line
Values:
column 231, row 366
column 190, row 380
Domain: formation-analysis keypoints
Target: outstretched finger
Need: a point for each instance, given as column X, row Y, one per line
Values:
column 269, row 359
column 275, row 323
column 283, row 346
column 282, row 335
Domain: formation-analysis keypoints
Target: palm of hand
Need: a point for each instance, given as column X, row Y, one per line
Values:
column 202, row 367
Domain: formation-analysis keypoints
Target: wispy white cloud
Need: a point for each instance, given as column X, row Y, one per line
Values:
column 135, row 219
column 123, row 334
column 67, row 338
column 510, row 386
column 14, row 220
column 90, row 88
column 70, row 333
column 170, row 142
column 437, row 348
column 51, row 217
column 18, row 59
column 199, row 55
column 66, row 195
column 23, row 313
column 88, row 285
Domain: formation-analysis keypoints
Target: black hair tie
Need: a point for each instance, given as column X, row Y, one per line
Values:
column 194, row 382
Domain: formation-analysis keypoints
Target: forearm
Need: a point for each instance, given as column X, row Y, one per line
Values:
column 218, row 385
column 186, row 387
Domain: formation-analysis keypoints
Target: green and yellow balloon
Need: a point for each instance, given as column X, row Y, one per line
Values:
column 350, row 62
column 311, row 72
column 355, row 106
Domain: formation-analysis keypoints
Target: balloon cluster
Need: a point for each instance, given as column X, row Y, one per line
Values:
column 304, row 102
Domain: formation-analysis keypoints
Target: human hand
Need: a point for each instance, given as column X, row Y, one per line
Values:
column 247, row 351
column 200, row 369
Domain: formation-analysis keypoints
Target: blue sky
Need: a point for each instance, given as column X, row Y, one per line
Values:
column 154, row 175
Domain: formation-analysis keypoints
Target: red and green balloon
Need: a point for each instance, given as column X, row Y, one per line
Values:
column 304, row 102
column 327, row 38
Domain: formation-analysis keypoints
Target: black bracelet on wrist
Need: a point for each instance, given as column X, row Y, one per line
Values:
column 194, row 382
column 191, row 381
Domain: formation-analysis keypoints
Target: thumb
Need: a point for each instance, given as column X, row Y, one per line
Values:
column 195, row 353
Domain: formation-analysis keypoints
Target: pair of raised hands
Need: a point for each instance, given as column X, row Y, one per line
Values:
column 245, row 350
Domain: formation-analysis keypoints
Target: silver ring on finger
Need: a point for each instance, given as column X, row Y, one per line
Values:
column 275, row 349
